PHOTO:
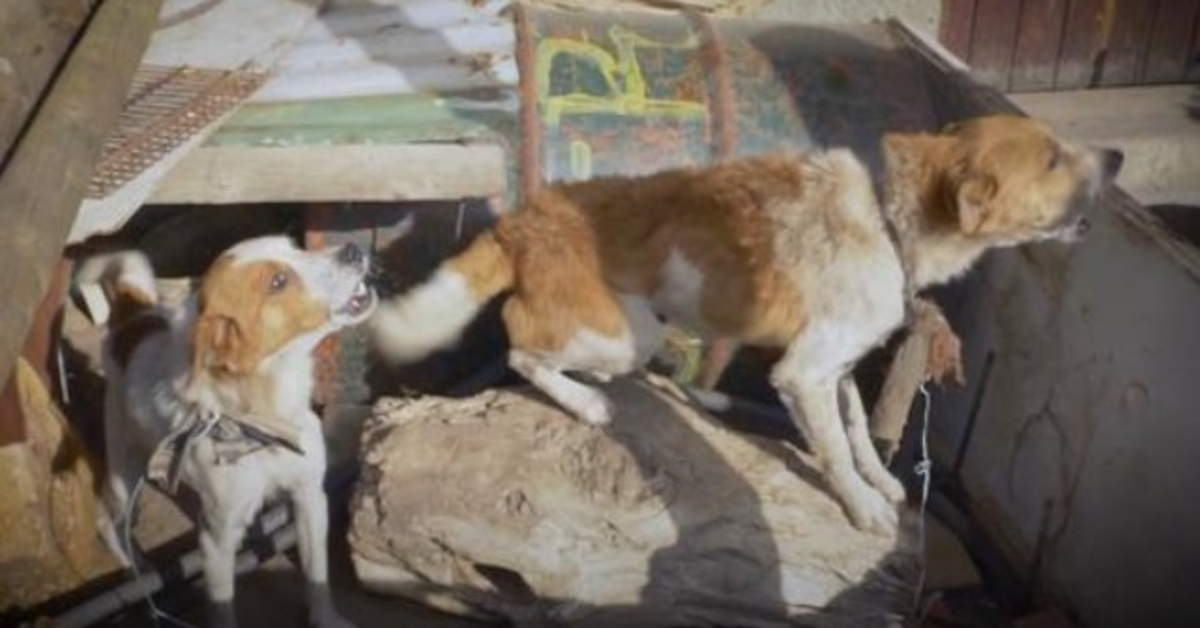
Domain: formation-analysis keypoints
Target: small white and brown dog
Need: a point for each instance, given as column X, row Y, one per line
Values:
column 217, row 394
column 794, row 251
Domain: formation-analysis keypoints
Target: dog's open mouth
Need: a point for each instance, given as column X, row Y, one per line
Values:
column 360, row 301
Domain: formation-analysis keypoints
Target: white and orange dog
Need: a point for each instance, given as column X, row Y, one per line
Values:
column 217, row 395
column 791, row 251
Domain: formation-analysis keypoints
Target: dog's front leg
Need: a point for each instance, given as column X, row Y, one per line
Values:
column 219, row 544
column 812, row 402
column 312, row 526
column 866, row 458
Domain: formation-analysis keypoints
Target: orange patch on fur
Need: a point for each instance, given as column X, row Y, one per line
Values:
column 716, row 218
column 559, row 287
column 485, row 267
column 243, row 319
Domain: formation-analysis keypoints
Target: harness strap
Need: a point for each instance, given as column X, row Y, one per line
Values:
column 231, row 438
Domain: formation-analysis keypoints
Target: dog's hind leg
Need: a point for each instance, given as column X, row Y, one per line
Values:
column 586, row 403
column 549, row 339
column 115, row 516
column 866, row 458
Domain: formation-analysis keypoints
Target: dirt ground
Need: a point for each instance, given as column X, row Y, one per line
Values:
column 273, row 595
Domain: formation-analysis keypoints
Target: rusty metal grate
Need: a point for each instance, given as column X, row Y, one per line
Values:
column 165, row 107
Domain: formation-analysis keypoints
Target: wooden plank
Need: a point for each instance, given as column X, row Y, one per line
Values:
column 992, row 41
column 34, row 39
column 218, row 175
column 48, row 171
column 1084, row 38
column 397, row 119
column 958, row 19
column 1128, row 42
column 1170, row 41
column 1039, row 36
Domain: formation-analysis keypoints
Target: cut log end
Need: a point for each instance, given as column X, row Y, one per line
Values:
column 502, row 505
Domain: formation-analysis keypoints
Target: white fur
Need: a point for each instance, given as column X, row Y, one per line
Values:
column 600, row 356
column 155, row 392
column 129, row 269
column 585, row 402
column 430, row 317
column 648, row 331
column 679, row 293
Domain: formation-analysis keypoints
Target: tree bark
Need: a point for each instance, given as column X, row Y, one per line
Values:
column 502, row 505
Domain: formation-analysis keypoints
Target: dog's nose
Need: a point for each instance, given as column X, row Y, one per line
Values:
column 350, row 255
column 1082, row 227
column 1112, row 161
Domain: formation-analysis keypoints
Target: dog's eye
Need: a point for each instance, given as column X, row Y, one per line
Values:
column 1055, row 159
column 279, row 281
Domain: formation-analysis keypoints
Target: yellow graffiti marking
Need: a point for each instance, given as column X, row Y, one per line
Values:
column 581, row 159
column 625, row 84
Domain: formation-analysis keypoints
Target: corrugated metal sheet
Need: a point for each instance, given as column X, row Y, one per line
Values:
column 405, row 47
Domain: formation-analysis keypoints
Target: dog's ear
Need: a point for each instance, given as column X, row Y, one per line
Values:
column 974, row 194
column 218, row 344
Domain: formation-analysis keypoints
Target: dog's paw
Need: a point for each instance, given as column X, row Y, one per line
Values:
column 221, row 615
column 868, row 509
column 875, row 514
column 322, row 613
column 596, row 410
column 889, row 486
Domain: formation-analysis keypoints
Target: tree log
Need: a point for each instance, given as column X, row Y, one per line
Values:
column 930, row 351
column 46, row 176
column 502, row 505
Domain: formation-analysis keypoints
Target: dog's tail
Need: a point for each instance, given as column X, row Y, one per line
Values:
column 433, row 315
column 117, row 287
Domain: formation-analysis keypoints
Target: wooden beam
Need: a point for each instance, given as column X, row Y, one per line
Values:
column 227, row 174
column 47, row 174
column 34, row 39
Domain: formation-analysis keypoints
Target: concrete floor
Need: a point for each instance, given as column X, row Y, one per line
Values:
column 1157, row 127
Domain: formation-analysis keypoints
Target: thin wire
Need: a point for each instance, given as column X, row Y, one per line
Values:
column 458, row 221
column 156, row 613
column 923, row 469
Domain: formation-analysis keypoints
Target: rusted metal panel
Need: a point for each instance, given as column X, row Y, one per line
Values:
column 165, row 106
column 958, row 23
column 1081, row 61
column 1128, row 41
column 1167, row 56
column 633, row 94
column 993, row 41
column 1070, row 44
column 1039, row 37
